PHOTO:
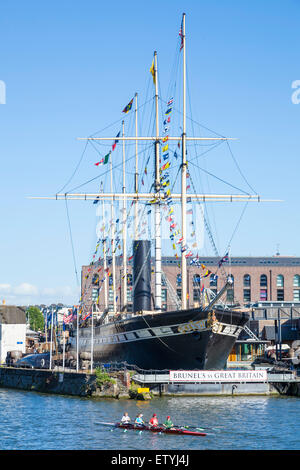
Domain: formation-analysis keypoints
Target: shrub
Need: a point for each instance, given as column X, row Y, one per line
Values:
column 103, row 378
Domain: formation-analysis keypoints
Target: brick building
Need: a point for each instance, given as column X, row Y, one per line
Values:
column 256, row 279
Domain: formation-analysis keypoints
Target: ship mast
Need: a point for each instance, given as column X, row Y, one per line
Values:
column 183, row 179
column 135, row 196
column 124, row 229
column 113, row 248
column 157, row 213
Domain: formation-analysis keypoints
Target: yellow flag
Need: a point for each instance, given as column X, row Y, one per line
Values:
column 152, row 71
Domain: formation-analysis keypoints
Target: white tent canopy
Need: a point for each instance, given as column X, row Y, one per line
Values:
column 283, row 346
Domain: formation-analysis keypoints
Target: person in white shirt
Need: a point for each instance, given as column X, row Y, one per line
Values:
column 125, row 418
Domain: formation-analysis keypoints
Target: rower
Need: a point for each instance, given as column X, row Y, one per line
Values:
column 139, row 419
column 125, row 418
column 168, row 423
column 154, row 421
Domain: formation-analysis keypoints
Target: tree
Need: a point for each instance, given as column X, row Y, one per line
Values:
column 35, row 318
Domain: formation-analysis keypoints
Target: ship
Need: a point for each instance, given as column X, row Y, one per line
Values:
column 149, row 337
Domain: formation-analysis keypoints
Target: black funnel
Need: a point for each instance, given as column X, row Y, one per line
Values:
column 141, row 275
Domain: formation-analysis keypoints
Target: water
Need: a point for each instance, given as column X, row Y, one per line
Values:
column 30, row 420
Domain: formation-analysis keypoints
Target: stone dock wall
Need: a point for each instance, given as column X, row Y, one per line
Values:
column 85, row 385
column 46, row 381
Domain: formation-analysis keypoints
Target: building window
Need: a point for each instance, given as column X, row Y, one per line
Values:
column 296, row 280
column 280, row 294
column 178, row 291
column 196, row 280
column 95, row 280
column 231, row 277
column 280, row 280
column 95, row 295
column 178, row 279
column 296, row 296
column 164, row 295
column 213, row 281
column 263, row 295
column 110, row 294
column 196, row 295
column 230, row 295
column 247, row 295
column 129, row 294
column 263, row 280
column 129, row 279
column 247, row 280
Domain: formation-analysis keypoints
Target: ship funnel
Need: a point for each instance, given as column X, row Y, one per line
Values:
column 141, row 275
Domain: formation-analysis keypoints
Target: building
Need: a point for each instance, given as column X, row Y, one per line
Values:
column 12, row 330
column 255, row 279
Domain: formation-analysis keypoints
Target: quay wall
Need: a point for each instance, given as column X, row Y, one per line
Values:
column 85, row 385
column 210, row 389
column 47, row 381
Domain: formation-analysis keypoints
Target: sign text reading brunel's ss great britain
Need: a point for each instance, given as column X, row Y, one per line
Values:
column 218, row 376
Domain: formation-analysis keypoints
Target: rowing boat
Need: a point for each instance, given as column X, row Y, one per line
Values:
column 157, row 429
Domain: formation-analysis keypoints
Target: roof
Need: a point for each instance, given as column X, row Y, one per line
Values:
column 12, row 315
column 234, row 261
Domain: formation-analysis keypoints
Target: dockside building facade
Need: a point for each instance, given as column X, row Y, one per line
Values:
column 255, row 279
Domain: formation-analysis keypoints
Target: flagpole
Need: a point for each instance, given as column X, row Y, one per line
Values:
column 124, row 228
column 113, row 242
column 64, row 346
column 46, row 329
column 51, row 338
column 183, row 178
column 77, row 341
column 92, row 340
column 157, row 205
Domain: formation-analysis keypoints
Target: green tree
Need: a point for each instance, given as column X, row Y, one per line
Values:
column 36, row 318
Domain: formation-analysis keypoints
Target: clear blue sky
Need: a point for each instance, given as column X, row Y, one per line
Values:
column 71, row 66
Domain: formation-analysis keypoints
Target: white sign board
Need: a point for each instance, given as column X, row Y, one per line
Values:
column 218, row 376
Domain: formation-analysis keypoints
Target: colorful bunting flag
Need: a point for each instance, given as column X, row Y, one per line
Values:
column 152, row 71
column 116, row 141
column 128, row 107
column 223, row 260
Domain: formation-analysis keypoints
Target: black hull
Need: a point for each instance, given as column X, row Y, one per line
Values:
column 187, row 340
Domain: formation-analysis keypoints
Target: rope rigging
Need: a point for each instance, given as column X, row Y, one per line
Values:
column 144, row 158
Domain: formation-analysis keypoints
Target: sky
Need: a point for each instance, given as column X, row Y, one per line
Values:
column 68, row 68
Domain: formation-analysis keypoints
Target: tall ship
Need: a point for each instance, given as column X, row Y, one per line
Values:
column 146, row 334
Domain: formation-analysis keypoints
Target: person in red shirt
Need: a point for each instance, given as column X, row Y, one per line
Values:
column 154, row 421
